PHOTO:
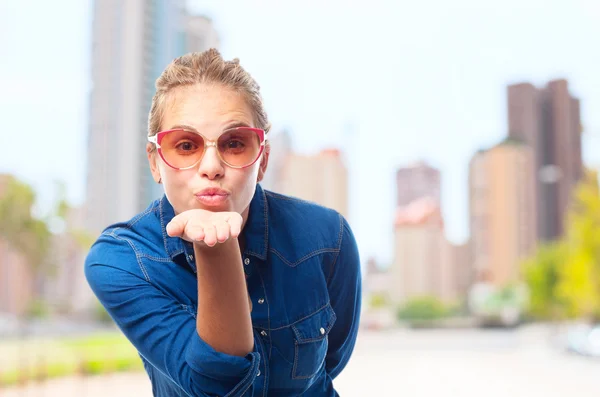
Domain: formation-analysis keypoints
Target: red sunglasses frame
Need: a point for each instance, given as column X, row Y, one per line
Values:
column 157, row 139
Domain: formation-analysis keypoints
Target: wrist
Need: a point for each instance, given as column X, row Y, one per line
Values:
column 231, row 246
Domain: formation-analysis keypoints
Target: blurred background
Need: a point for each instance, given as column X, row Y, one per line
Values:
column 460, row 139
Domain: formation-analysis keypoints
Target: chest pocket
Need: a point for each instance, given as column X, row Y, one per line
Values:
column 311, row 342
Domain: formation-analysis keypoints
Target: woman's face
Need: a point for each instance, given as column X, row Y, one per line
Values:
column 208, row 109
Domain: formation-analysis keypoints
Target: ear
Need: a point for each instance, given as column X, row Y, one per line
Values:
column 152, row 161
column 264, row 161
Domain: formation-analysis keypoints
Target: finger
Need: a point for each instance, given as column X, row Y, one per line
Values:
column 235, row 227
column 210, row 235
column 176, row 227
column 197, row 234
column 222, row 229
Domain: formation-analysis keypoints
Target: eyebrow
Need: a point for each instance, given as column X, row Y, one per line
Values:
column 230, row 125
column 183, row 127
column 236, row 124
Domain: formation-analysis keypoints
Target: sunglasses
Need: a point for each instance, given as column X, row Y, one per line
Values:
column 238, row 147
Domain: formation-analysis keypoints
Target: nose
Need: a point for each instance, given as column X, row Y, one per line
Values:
column 211, row 166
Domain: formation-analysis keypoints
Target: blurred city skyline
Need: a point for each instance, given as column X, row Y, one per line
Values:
column 440, row 96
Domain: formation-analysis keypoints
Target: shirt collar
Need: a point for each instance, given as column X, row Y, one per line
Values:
column 256, row 230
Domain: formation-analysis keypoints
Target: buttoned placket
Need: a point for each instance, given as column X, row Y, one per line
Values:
column 257, row 294
column 188, row 251
column 247, row 267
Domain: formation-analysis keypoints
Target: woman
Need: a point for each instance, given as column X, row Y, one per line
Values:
column 224, row 288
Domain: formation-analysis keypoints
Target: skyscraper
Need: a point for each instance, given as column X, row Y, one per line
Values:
column 417, row 181
column 502, row 210
column 132, row 43
column 187, row 33
column 548, row 120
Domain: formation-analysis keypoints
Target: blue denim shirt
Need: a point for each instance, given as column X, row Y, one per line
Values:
column 303, row 276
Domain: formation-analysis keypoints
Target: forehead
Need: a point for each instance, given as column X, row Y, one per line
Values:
column 205, row 107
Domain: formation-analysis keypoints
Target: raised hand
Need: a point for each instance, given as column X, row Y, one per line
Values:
column 201, row 226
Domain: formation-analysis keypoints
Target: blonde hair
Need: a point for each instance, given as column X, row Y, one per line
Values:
column 206, row 67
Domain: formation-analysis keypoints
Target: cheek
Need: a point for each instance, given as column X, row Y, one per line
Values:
column 250, row 177
column 177, row 190
column 245, row 181
column 174, row 177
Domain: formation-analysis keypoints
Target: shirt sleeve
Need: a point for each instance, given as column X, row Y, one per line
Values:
column 160, row 328
column 344, row 285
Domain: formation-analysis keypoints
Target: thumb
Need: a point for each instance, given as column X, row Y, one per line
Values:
column 176, row 227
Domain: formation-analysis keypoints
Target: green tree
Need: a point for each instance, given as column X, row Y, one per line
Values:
column 18, row 227
column 542, row 274
column 423, row 308
column 563, row 277
column 378, row 301
column 59, row 215
column 579, row 278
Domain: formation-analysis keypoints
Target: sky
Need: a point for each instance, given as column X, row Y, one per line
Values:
column 390, row 82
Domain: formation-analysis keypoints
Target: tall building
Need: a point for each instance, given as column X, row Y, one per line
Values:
column 479, row 213
column 177, row 35
column 416, row 181
column 502, row 210
column 321, row 178
column 133, row 41
column 419, row 242
column 548, row 119
column 425, row 262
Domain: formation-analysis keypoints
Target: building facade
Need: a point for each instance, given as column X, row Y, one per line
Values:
column 502, row 211
column 548, row 119
column 417, row 181
column 321, row 178
column 133, row 41
column 418, row 244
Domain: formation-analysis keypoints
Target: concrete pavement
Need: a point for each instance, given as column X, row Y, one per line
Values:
column 469, row 363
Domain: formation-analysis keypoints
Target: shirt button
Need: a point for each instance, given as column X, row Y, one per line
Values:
column 322, row 330
column 247, row 261
column 258, row 374
column 261, row 301
column 263, row 332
